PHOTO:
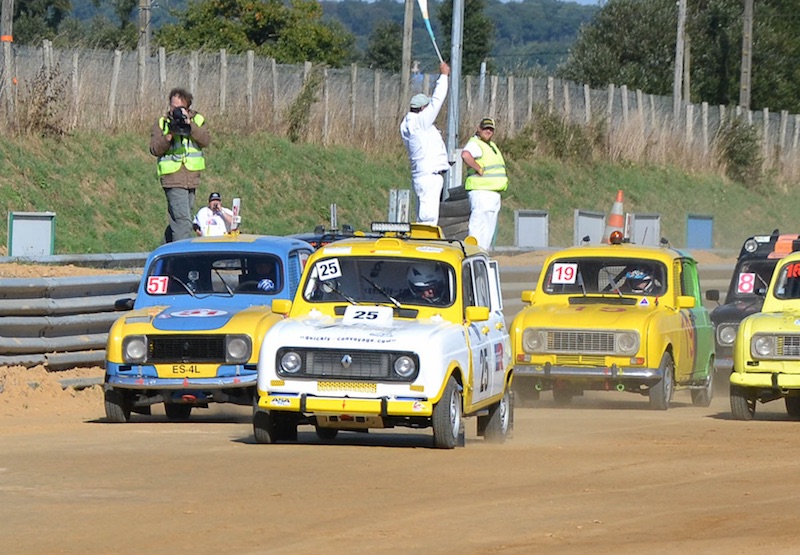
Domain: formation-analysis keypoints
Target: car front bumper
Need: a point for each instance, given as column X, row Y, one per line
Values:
column 773, row 380
column 549, row 372
column 313, row 404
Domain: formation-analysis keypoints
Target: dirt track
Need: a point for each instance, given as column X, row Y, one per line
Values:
column 606, row 475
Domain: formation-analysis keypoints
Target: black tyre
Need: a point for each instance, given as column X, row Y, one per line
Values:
column 525, row 394
column 453, row 208
column 118, row 406
column 452, row 220
column 264, row 428
column 562, row 396
column 793, row 406
column 702, row 397
column 326, row 434
column 743, row 402
column 499, row 424
column 457, row 231
column 661, row 393
column 446, row 418
column 178, row 412
column 457, row 193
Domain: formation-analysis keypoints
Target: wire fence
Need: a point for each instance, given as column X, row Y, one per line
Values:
column 358, row 106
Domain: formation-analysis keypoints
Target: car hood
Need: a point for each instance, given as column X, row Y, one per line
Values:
column 201, row 315
column 589, row 316
column 327, row 332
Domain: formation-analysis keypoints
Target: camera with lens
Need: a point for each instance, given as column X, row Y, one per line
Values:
column 179, row 124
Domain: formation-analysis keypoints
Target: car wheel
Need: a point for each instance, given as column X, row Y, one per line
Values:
column 326, row 434
column 792, row 406
column 446, row 417
column 743, row 403
column 525, row 395
column 702, row 397
column 562, row 396
column 499, row 423
column 264, row 427
column 661, row 393
column 177, row 411
column 118, row 406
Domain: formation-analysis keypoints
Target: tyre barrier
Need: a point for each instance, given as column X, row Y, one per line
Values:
column 59, row 323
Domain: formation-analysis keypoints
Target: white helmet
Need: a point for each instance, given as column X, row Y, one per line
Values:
column 424, row 276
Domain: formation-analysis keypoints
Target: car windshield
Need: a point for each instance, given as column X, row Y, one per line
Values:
column 203, row 274
column 752, row 277
column 380, row 280
column 787, row 285
column 617, row 276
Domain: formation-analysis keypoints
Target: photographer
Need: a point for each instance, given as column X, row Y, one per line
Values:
column 213, row 220
column 177, row 139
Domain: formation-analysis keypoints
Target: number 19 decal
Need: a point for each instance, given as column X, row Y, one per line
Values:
column 564, row 273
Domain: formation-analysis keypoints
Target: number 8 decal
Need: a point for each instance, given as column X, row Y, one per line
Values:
column 746, row 283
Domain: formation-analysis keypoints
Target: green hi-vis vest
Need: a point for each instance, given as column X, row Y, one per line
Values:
column 494, row 169
column 183, row 150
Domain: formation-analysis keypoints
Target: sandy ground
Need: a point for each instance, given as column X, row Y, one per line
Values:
column 605, row 475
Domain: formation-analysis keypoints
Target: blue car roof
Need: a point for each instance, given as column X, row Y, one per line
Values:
column 273, row 244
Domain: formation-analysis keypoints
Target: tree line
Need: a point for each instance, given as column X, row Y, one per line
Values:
column 629, row 42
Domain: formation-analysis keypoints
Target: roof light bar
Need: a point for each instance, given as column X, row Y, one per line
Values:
column 398, row 227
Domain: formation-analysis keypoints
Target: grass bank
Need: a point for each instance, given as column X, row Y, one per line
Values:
column 106, row 196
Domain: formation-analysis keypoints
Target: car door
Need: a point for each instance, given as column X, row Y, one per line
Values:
column 701, row 337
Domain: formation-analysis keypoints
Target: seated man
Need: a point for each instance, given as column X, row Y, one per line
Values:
column 426, row 282
column 262, row 276
column 640, row 281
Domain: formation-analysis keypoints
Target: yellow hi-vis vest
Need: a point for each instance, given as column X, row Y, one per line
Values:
column 494, row 169
column 183, row 150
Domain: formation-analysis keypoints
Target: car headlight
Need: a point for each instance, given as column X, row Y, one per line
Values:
column 134, row 349
column 404, row 366
column 726, row 334
column 763, row 346
column 291, row 362
column 627, row 342
column 238, row 349
column 533, row 340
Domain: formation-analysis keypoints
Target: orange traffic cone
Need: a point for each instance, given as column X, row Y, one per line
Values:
column 616, row 219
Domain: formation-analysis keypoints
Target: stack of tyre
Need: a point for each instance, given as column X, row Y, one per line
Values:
column 454, row 214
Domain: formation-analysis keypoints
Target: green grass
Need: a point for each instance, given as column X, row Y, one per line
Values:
column 106, row 195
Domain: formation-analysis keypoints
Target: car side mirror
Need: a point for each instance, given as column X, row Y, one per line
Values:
column 685, row 301
column 123, row 304
column 527, row 296
column 281, row 306
column 712, row 295
column 477, row 313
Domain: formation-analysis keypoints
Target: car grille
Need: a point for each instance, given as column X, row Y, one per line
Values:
column 347, row 364
column 580, row 341
column 789, row 346
column 186, row 348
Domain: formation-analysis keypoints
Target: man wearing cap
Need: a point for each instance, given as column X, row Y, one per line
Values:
column 486, row 177
column 213, row 220
column 426, row 150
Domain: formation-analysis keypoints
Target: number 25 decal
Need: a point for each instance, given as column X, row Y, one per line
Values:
column 365, row 315
column 328, row 269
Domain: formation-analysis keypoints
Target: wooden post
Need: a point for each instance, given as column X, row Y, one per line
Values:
column 249, row 86
column 747, row 54
column 551, row 93
column 6, row 38
column 141, row 76
column 689, row 125
column 405, row 65
column 353, row 91
column 610, row 104
column 162, row 71
column 765, row 138
column 223, row 80
column 704, row 112
column 75, row 90
column 376, row 102
column 567, row 107
column 640, row 107
column 587, row 104
column 493, row 95
column 678, row 79
column 194, row 71
column 623, row 93
column 273, row 67
column 325, row 108
column 530, row 99
column 511, row 124
column 112, row 94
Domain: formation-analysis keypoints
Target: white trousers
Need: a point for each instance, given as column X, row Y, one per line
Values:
column 428, row 189
column 484, row 209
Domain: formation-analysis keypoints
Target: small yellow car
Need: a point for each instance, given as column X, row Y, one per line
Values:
column 397, row 328
column 616, row 317
column 766, row 353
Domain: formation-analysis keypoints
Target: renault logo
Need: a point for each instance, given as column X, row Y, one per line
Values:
column 347, row 360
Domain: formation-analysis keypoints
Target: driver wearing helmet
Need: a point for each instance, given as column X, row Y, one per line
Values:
column 640, row 281
column 426, row 282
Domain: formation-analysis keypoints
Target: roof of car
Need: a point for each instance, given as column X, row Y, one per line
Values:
column 233, row 243
column 625, row 250
column 453, row 250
